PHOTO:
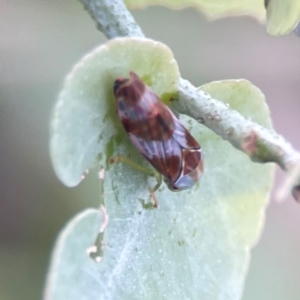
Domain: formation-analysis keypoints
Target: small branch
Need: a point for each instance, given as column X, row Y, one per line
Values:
column 262, row 145
column 113, row 18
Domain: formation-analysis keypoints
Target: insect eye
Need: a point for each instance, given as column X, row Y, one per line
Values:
column 119, row 82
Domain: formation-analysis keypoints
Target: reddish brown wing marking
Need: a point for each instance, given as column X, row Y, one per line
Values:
column 191, row 161
column 154, row 139
column 183, row 137
column 191, row 154
column 155, row 130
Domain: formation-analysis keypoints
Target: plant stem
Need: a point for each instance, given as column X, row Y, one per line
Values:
column 262, row 145
column 113, row 18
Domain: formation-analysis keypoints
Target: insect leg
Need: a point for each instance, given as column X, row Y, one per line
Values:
column 155, row 188
column 142, row 169
column 134, row 165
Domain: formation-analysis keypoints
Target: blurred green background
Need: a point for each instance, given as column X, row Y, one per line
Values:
column 39, row 42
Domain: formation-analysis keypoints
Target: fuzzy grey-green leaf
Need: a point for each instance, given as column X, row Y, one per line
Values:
column 196, row 244
column 282, row 16
column 71, row 265
column 85, row 130
column 212, row 9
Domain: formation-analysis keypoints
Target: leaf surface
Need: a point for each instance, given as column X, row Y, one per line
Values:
column 196, row 244
column 282, row 16
column 85, row 130
column 212, row 9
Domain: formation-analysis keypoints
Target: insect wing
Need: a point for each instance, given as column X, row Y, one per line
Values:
column 165, row 156
column 157, row 133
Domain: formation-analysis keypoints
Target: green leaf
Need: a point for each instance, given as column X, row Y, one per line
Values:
column 195, row 245
column 212, row 9
column 85, row 130
column 70, row 257
column 242, row 96
column 282, row 16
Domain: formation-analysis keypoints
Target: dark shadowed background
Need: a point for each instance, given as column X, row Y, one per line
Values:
column 39, row 42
